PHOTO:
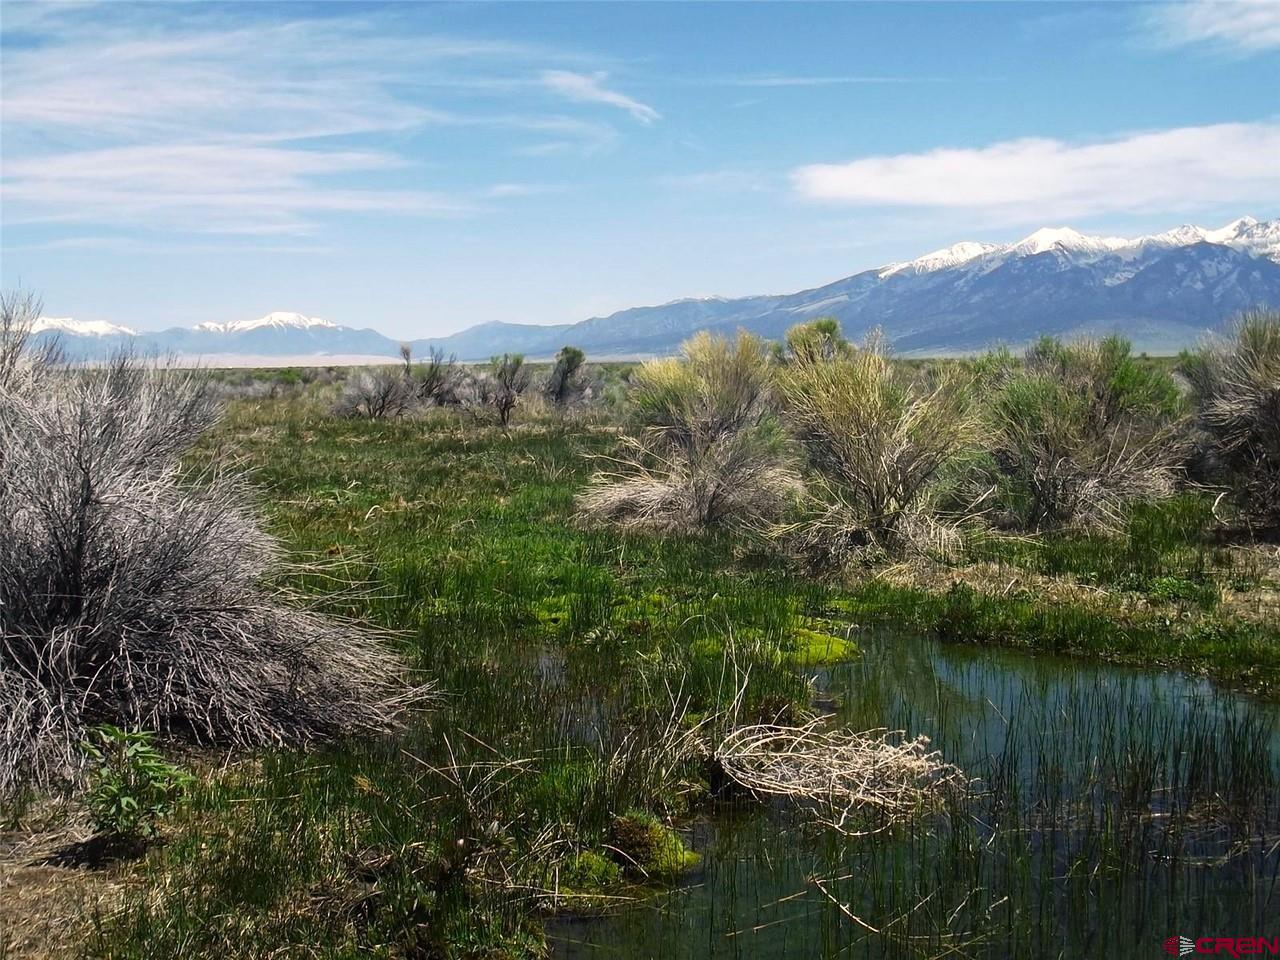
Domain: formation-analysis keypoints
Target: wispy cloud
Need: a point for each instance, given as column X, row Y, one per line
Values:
column 274, row 81
column 590, row 88
column 196, row 122
column 206, row 188
column 1243, row 26
column 1038, row 179
column 499, row 190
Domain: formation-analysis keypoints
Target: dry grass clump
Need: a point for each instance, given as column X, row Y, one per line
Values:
column 131, row 588
column 710, row 451
column 1080, row 431
column 847, row 779
column 1236, row 382
column 874, row 438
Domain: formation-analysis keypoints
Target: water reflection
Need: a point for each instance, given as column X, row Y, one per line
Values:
column 1113, row 807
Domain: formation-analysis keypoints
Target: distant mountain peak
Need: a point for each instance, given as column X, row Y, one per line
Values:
column 80, row 328
column 951, row 256
column 279, row 319
column 1067, row 240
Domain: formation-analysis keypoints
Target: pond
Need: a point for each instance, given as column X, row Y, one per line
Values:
column 1112, row 808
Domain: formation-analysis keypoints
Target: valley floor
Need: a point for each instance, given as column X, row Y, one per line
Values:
column 567, row 660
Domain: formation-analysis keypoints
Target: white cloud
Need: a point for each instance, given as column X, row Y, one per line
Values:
column 590, row 88
column 184, row 119
column 1038, row 179
column 1248, row 26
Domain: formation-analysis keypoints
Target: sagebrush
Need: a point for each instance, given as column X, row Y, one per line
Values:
column 874, row 437
column 1080, row 431
column 1236, row 382
column 709, row 450
column 134, row 579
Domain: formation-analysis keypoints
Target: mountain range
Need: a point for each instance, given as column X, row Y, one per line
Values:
column 1163, row 291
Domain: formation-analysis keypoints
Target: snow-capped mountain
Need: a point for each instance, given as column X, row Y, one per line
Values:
column 278, row 334
column 1163, row 291
column 279, row 320
column 1246, row 235
column 80, row 328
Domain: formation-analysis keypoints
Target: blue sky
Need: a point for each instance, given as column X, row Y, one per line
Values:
column 420, row 168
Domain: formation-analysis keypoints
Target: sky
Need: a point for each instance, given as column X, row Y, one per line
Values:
column 420, row 168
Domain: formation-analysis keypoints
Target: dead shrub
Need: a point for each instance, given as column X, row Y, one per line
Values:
column 856, row 783
column 132, row 588
column 507, row 381
column 381, row 393
column 437, row 382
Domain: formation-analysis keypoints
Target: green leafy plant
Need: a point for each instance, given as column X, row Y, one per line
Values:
column 1080, row 432
column 131, row 786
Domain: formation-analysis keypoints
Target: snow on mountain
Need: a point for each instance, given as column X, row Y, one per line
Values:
column 1245, row 234
column 278, row 320
column 80, row 328
column 948, row 257
column 1163, row 290
column 1066, row 240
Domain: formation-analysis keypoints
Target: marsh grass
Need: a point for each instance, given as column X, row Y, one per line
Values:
column 574, row 662
column 1167, row 550
column 1108, row 807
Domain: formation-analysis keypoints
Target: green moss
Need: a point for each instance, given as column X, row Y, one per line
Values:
column 810, row 648
column 651, row 849
column 589, row 871
column 552, row 613
column 709, row 647
column 560, row 787
column 802, row 647
column 646, row 608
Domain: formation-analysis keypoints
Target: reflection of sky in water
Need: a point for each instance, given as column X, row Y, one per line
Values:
column 1078, row 732
column 970, row 698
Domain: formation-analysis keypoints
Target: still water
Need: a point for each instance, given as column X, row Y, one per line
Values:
column 1112, row 808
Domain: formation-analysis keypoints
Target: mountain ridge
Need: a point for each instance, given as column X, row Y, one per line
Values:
column 1162, row 290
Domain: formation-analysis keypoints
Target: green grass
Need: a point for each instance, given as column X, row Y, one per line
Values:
column 561, row 653
column 1166, row 552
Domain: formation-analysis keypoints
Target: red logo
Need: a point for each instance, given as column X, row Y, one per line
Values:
column 1230, row 946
